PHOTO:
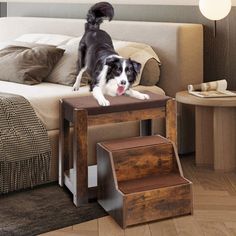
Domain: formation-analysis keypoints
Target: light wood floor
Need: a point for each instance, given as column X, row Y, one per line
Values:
column 214, row 211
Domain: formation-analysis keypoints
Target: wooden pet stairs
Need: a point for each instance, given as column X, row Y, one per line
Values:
column 140, row 179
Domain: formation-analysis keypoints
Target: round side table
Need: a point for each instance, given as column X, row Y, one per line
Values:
column 215, row 124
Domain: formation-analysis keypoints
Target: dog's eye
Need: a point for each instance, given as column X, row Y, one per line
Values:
column 118, row 70
column 128, row 71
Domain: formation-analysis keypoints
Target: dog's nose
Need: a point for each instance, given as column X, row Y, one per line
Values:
column 123, row 82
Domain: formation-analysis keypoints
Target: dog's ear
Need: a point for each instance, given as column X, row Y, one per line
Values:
column 137, row 66
column 111, row 60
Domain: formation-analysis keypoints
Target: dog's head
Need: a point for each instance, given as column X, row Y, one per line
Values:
column 121, row 74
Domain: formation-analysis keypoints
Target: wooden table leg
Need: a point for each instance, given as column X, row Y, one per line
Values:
column 63, row 145
column 171, row 121
column 215, row 137
column 224, row 138
column 80, row 144
column 204, row 136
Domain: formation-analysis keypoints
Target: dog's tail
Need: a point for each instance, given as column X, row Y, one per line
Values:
column 97, row 13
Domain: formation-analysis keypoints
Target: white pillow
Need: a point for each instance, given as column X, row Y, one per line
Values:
column 65, row 71
column 50, row 39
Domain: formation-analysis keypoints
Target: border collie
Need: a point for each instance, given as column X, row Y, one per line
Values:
column 110, row 73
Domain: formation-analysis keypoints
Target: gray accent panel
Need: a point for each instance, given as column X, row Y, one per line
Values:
column 3, row 9
column 60, row 10
column 122, row 12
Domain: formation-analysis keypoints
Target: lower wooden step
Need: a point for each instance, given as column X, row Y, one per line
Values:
column 157, row 204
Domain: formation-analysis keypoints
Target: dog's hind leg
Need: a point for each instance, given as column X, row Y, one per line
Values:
column 81, row 66
column 81, row 54
column 78, row 79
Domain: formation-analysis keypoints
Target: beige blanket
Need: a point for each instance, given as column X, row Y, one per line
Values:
column 25, row 150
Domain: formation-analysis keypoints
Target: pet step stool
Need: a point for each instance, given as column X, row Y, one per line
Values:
column 140, row 179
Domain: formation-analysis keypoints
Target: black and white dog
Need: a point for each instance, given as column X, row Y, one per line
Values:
column 110, row 74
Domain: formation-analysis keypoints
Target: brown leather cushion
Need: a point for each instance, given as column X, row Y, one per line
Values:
column 117, row 104
column 28, row 64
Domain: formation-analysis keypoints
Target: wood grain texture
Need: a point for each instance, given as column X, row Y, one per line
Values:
column 163, row 228
column 126, row 116
column 142, row 183
column 80, row 145
column 204, row 135
column 186, row 98
column 171, row 121
column 133, row 164
column 215, row 128
column 140, row 230
column 158, row 204
column 148, row 183
column 214, row 209
column 224, row 139
column 89, row 228
column 85, row 112
column 108, row 227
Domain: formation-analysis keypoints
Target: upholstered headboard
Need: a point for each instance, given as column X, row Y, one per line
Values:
column 179, row 46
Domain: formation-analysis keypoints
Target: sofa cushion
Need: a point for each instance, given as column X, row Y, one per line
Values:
column 28, row 64
column 49, row 39
column 66, row 70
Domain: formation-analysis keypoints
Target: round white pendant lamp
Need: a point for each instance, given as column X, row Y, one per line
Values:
column 215, row 9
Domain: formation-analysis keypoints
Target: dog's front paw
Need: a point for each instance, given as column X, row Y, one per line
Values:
column 143, row 96
column 103, row 102
column 75, row 87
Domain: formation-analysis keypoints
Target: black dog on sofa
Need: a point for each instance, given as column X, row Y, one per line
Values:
column 110, row 73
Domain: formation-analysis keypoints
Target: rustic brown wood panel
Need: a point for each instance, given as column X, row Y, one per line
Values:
column 80, row 157
column 171, row 121
column 151, row 182
column 118, row 117
column 204, row 136
column 133, row 164
column 158, row 204
column 148, row 193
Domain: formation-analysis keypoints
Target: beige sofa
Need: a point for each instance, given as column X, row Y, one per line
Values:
column 179, row 47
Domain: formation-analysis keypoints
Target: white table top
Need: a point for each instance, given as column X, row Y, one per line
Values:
column 186, row 98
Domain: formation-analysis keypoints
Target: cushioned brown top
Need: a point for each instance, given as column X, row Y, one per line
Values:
column 151, row 182
column 127, row 143
column 117, row 104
